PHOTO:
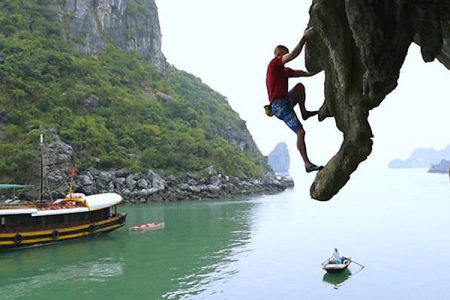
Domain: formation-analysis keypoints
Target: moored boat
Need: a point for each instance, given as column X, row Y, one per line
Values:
column 25, row 223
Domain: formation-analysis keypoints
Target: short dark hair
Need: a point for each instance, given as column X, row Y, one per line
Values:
column 280, row 48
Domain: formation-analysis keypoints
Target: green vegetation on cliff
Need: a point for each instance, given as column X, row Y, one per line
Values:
column 114, row 108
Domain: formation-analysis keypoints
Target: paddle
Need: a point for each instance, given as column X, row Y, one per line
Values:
column 358, row 264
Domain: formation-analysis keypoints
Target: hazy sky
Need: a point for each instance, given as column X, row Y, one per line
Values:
column 228, row 44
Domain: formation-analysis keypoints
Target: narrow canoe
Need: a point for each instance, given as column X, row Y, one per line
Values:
column 148, row 226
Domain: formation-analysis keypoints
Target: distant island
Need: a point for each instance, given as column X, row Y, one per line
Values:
column 279, row 158
column 422, row 158
column 442, row 167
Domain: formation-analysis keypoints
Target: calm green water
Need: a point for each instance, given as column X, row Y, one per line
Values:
column 394, row 222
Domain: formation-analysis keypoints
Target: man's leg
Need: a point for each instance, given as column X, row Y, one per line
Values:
column 301, row 146
column 299, row 90
column 284, row 111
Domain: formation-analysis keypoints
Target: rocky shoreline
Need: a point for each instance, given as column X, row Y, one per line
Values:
column 151, row 187
column 147, row 187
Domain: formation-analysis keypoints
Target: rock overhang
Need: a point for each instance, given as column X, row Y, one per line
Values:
column 361, row 46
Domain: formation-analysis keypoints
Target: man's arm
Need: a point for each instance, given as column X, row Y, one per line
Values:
column 297, row 49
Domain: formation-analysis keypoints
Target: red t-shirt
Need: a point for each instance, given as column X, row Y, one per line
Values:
column 277, row 79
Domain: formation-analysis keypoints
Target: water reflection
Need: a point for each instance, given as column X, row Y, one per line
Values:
column 337, row 279
column 218, row 233
column 101, row 271
column 28, row 272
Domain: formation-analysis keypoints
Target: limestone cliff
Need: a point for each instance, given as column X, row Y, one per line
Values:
column 361, row 45
column 442, row 167
column 87, row 68
column 279, row 158
column 422, row 158
column 132, row 25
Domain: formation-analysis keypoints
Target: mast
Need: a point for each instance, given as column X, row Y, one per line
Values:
column 42, row 167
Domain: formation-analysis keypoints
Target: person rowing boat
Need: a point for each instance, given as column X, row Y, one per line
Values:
column 336, row 263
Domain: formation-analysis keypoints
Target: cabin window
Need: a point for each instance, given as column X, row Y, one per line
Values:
column 98, row 215
column 77, row 218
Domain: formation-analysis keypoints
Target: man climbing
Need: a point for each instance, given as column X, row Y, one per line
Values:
column 282, row 101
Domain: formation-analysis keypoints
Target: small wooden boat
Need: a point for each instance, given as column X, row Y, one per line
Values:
column 147, row 226
column 332, row 267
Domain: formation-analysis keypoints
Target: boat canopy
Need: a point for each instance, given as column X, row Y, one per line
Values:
column 100, row 201
column 93, row 202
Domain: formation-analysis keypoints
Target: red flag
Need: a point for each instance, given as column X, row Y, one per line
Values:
column 73, row 171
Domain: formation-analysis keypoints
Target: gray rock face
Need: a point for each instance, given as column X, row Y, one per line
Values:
column 361, row 45
column 240, row 138
column 279, row 158
column 129, row 24
column 92, row 103
column 57, row 160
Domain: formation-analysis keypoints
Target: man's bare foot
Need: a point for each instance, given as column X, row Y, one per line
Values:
column 308, row 114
